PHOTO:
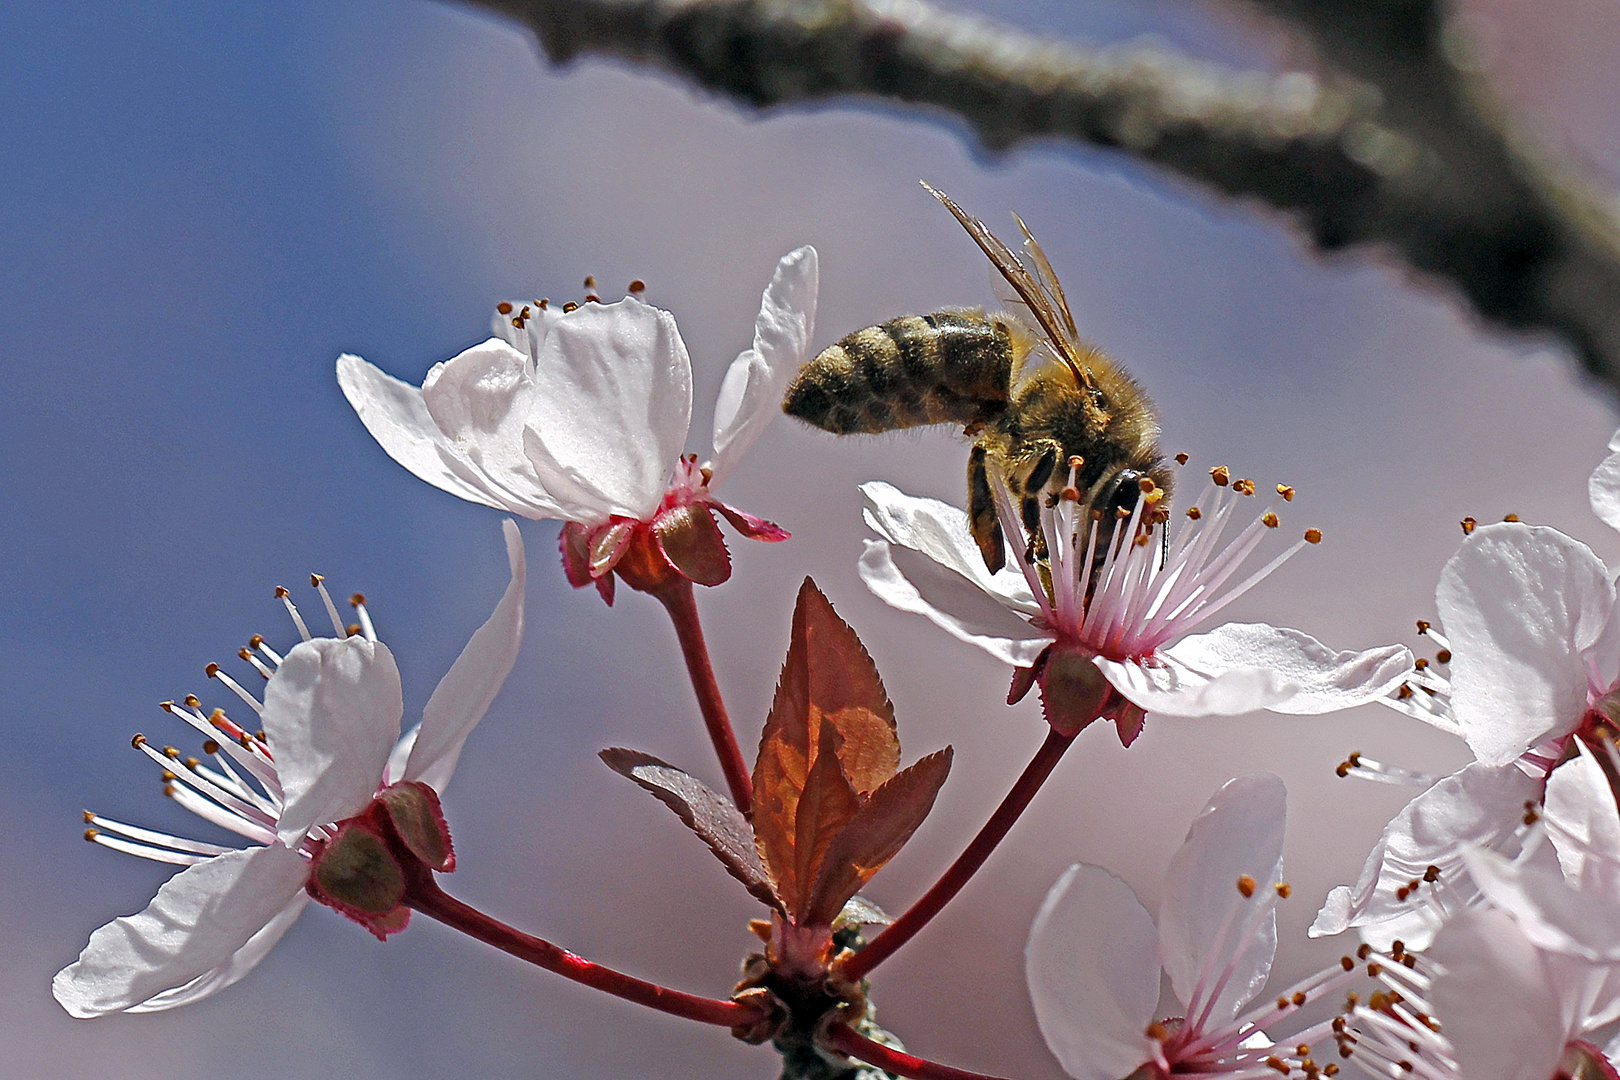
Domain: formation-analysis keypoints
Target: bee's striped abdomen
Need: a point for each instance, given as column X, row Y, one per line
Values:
column 948, row 367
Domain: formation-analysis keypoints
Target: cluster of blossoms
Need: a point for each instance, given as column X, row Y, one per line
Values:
column 1489, row 911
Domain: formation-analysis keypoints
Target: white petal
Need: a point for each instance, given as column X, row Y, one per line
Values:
column 397, row 417
column 1604, row 486
column 1587, row 836
column 1240, row 667
column 751, row 394
column 1206, row 926
column 1551, row 914
column 482, row 400
column 1480, row 805
column 1093, row 971
column 904, row 579
column 1495, row 1000
column 1520, row 604
column 197, row 923
column 940, row 531
column 331, row 716
column 1163, row 684
column 464, row 694
column 613, row 402
column 240, row 963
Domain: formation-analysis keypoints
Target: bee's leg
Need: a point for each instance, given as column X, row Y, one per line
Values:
column 1034, row 484
column 1042, row 472
column 982, row 512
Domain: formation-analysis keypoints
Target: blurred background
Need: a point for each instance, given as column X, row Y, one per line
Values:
column 201, row 205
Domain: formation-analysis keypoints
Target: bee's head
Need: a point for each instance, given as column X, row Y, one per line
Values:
column 1116, row 494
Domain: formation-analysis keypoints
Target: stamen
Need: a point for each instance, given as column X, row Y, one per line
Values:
column 359, row 603
column 213, row 672
column 331, row 609
column 298, row 620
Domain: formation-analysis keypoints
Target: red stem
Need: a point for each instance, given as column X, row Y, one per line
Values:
column 950, row 883
column 678, row 601
column 845, row 1040
column 425, row 896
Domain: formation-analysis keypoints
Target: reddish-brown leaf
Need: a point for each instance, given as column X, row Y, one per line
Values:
column 828, row 740
column 874, row 835
column 710, row 815
column 846, row 691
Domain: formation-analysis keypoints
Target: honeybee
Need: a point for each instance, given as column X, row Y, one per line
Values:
column 1031, row 393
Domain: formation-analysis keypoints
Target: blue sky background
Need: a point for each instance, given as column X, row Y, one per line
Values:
column 201, row 205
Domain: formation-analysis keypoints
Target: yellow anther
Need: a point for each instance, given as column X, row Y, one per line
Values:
column 1313, row 536
column 281, row 592
column 1245, row 885
column 1286, row 492
column 1510, row 517
column 1269, row 520
column 357, row 599
column 192, row 701
column 504, row 308
column 1284, row 889
column 212, row 671
column 138, row 741
column 1193, row 513
column 1221, row 475
column 1181, row 459
column 637, row 287
column 1468, row 525
column 91, row 834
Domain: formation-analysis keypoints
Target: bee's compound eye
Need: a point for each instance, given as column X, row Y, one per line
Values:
column 1126, row 491
column 1099, row 399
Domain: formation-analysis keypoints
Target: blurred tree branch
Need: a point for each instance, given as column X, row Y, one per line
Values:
column 1397, row 144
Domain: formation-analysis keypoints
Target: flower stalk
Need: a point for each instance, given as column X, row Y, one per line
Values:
column 422, row 893
column 676, row 596
column 967, row 864
column 847, row 1041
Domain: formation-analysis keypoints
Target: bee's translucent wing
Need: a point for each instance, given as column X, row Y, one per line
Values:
column 1051, row 315
column 1049, row 281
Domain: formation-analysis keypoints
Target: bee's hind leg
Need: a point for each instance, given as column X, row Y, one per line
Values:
column 982, row 520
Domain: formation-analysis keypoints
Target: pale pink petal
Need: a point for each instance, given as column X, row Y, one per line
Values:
column 1093, row 971
column 1163, row 684
column 196, row 924
column 1240, row 667
column 1481, row 806
column 940, row 531
column 331, row 717
column 464, row 694
column 397, row 417
column 1206, row 925
column 613, row 400
column 1521, row 603
column 1550, row 913
column 241, row 962
column 481, row 400
column 751, row 394
column 904, row 579
column 1604, row 486
column 1587, row 833
column 1496, row 1002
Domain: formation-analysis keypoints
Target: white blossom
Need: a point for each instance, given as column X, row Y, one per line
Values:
column 330, row 718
